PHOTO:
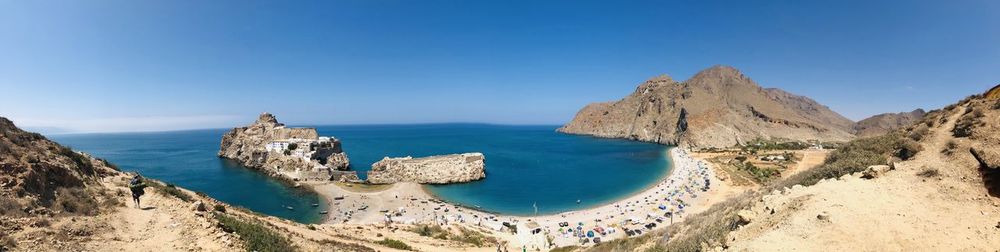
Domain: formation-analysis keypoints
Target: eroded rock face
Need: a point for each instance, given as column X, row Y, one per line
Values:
column 311, row 158
column 444, row 169
column 718, row 107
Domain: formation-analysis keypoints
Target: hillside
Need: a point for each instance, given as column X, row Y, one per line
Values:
column 718, row 107
column 930, row 186
column 884, row 123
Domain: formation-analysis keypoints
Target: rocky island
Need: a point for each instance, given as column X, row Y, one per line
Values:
column 443, row 169
column 298, row 154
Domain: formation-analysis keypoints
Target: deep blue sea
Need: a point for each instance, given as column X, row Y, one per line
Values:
column 525, row 165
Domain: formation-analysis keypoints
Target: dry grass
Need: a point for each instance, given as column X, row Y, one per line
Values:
column 76, row 200
column 11, row 207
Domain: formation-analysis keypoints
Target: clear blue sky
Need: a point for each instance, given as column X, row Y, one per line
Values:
column 157, row 65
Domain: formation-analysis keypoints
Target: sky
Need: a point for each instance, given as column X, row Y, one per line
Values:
column 105, row 66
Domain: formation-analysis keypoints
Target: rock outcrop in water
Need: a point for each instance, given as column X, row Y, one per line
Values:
column 444, row 169
column 293, row 153
column 718, row 107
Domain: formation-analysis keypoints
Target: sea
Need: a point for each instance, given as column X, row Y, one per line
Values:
column 529, row 169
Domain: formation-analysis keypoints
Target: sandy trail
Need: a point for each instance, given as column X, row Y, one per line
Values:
column 162, row 224
column 898, row 211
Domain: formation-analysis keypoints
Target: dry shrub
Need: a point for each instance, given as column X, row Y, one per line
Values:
column 254, row 234
column 950, row 146
column 929, row 173
column 709, row 227
column 908, row 149
column 7, row 242
column 396, row 244
column 855, row 156
column 919, row 132
column 11, row 207
column 76, row 200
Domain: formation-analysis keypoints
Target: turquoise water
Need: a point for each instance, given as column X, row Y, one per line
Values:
column 188, row 159
column 525, row 165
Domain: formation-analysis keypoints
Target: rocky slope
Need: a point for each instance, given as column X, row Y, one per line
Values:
column 883, row 123
column 248, row 146
column 718, row 107
column 948, row 188
column 444, row 169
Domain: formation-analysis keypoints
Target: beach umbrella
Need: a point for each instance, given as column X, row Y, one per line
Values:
column 590, row 233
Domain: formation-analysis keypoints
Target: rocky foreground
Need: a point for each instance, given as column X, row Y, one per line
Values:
column 444, row 169
column 718, row 107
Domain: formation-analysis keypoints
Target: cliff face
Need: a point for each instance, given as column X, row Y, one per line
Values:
column 718, row 107
column 303, row 154
column 443, row 169
column 883, row 123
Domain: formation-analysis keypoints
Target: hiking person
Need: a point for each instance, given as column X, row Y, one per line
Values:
column 137, row 186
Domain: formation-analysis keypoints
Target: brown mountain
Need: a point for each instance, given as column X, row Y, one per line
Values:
column 718, row 107
column 883, row 123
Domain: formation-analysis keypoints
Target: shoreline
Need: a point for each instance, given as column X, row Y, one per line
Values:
column 670, row 170
column 681, row 191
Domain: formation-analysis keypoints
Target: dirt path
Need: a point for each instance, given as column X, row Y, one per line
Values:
column 898, row 211
column 162, row 224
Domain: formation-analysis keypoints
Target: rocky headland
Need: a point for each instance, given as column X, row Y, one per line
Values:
column 443, row 169
column 718, row 107
column 291, row 153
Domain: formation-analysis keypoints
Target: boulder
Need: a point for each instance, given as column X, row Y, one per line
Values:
column 875, row 171
column 987, row 158
column 824, row 216
column 198, row 206
column 746, row 216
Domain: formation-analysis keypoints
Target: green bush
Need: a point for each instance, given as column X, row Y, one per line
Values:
column 256, row 236
column 219, row 208
column 430, row 231
column 169, row 190
column 856, row 156
column 394, row 244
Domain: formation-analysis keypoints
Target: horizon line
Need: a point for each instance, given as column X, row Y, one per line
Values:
column 287, row 125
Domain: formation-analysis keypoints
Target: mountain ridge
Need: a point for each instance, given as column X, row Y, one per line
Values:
column 717, row 107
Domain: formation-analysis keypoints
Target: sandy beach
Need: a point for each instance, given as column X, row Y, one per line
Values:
column 690, row 187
